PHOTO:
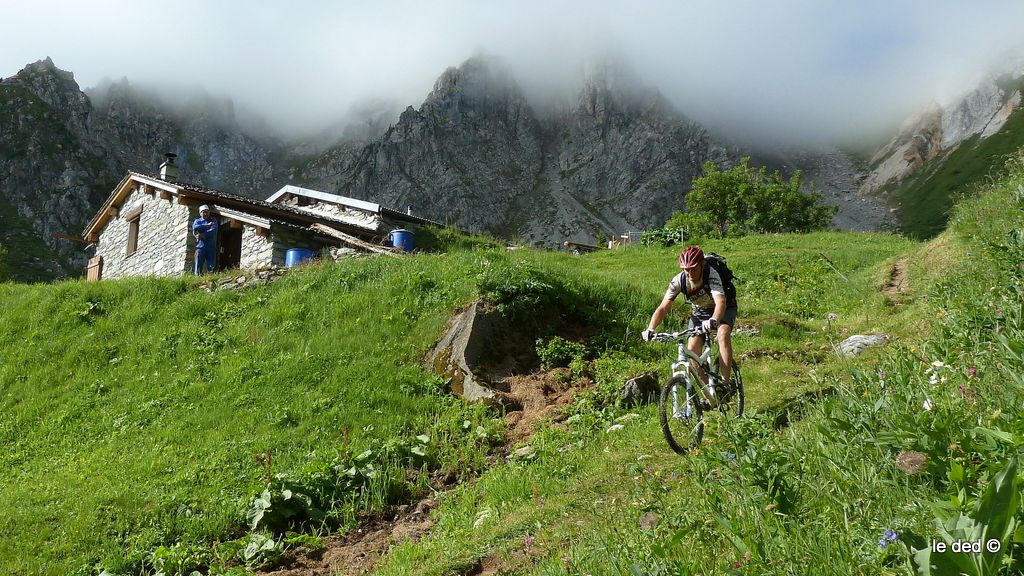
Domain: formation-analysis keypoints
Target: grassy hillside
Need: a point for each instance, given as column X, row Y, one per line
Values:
column 921, row 444
column 149, row 424
column 927, row 198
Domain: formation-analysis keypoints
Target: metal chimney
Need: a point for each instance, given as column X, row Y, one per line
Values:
column 409, row 210
column 169, row 170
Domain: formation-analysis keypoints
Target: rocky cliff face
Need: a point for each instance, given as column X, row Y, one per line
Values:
column 937, row 129
column 477, row 154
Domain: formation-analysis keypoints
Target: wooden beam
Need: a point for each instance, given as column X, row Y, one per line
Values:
column 262, row 232
column 353, row 241
column 113, row 211
column 188, row 201
column 165, row 195
column 234, row 224
column 148, row 189
column 78, row 239
column 133, row 213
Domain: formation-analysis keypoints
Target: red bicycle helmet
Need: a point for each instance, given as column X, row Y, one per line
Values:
column 690, row 257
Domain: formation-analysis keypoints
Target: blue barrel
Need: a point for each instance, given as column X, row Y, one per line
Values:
column 401, row 239
column 295, row 256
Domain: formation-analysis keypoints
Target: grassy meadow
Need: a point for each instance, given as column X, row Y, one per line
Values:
column 152, row 427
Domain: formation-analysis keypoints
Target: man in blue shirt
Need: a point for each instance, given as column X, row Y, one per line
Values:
column 205, row 230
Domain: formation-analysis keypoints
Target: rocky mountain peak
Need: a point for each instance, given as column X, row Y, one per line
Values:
column 56, row 87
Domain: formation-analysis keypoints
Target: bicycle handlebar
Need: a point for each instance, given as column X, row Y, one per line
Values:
column 666, row 336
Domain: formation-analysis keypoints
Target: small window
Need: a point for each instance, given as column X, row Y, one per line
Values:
column 133, row 235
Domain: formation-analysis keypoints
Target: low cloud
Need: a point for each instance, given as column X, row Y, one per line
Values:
column 790, row 70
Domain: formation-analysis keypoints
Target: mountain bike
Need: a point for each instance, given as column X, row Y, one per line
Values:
column 685, row 398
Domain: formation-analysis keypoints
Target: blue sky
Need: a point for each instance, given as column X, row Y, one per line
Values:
column 794, row 68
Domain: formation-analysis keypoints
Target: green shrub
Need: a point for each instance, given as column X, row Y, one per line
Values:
column 667, row 236
column 744, row 200
column 557, row 352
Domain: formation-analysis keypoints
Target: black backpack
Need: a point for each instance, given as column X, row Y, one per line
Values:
column 717, row 262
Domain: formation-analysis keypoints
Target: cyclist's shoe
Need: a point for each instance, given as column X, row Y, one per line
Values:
column 728, row 391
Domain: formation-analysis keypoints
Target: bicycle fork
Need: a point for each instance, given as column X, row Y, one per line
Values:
column 682, row 367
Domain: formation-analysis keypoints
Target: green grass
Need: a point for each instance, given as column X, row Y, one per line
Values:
column 138, row 413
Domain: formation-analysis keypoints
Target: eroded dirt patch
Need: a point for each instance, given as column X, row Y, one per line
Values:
column 357, row 552
column 535, row 398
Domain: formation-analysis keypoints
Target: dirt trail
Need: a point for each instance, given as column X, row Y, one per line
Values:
column 898, row 284
column 530, row 400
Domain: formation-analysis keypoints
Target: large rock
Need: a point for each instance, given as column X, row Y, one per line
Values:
column 854, row 345
column 460, row 349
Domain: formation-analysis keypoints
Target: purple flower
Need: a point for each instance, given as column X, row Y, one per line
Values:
column 888, row 537
column 972, row 372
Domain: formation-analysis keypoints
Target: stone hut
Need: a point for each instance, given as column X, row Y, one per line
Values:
column 145, row 225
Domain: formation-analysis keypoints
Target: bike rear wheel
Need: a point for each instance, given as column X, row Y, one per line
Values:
column 681, row 415
column 737, row 399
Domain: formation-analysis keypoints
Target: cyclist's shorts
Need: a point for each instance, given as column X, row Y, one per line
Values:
column 729, row 318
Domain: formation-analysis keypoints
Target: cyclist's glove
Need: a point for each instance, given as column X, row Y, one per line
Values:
column 709, row 325
column 647, row 335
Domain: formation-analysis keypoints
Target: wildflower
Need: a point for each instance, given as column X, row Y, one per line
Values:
column 729, row 456
column 934, row 372
column 565, row 562
column 528, row 544
column 967, row 393
column 888, row 537
column 972, row 372
column 928, row 405
column 832, row 316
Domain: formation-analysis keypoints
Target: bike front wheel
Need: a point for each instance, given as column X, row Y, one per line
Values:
column 681, row 415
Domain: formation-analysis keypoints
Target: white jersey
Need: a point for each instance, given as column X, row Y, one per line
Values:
column 698, row 295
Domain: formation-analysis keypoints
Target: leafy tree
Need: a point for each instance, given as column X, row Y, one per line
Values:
column 744, row 200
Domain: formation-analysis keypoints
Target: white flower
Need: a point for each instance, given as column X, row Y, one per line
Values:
column 482, row 517
column 927, row 404
column 614, row 428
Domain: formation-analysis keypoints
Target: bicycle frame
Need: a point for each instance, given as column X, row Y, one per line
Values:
column 683, row 366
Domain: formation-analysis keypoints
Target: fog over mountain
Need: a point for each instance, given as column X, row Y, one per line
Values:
column 786, row 71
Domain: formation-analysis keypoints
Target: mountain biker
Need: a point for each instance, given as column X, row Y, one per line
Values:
column 713, row 311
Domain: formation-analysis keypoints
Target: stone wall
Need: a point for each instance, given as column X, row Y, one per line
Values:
column 164, row 245
column 284, row 239
column 256, row 250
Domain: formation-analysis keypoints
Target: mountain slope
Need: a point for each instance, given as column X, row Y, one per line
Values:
column 945, row 151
